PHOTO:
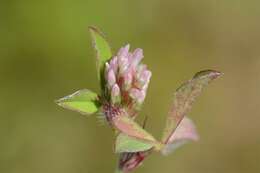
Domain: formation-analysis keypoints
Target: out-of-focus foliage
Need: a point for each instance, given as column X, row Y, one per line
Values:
column 45, row 50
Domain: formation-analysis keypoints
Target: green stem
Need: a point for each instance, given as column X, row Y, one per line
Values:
column 118, row 171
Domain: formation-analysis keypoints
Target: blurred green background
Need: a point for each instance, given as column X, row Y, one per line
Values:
column 46, row 53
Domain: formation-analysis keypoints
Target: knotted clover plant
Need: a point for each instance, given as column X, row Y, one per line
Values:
column 124, row 80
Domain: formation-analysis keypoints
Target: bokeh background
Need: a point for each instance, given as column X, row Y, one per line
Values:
column 46, row 53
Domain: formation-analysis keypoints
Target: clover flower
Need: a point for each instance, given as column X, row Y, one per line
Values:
column 127, row 79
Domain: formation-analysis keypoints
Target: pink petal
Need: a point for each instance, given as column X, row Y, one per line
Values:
column 123, row 51
column 137, row 95
column 144, row 79
column 185, row 130
column 114, row 64
column 184, row 133
column 137, row 57
column 128, row 78
column 111, row 78
column 115, row 94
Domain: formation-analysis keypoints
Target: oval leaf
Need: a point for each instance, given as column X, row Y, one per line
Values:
column 128, row 126
column 83, row 101
column 125, row 143
column 185, row 132
column 184, row 98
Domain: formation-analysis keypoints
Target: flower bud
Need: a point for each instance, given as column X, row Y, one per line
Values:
column 139, row 70
column 123, row 65
column 115, row 94
column 128, row 78
column 145, row 78
column 137, row 95
column 111, row 78
column 123, row 52
column 137, row 57
column 107, row 66
column 114, row 64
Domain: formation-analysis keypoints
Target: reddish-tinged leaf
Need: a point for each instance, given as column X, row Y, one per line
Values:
column 185, row 132
column 184, row 98
column 127, row 125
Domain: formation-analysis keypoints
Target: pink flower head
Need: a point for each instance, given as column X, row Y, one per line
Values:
column 127, row 78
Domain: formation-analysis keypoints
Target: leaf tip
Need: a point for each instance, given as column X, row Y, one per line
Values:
column 213, row 74
column 94, row 30
column 59, row 102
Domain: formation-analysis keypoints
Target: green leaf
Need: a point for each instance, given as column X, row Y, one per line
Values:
column 184, row 98
column 83, row 101
column 102, row 48
column 185, row 132
column 125, row 143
